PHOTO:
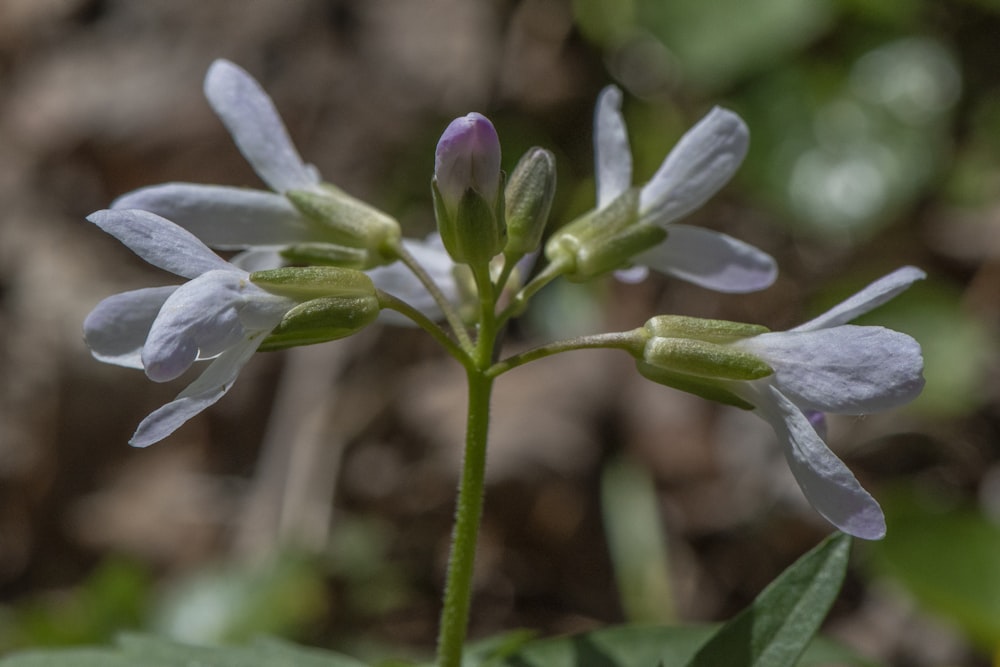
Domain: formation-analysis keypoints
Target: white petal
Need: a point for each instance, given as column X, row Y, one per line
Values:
column 847, row 369
column 867, row 299
column 224, row 217
column 116, row 329
column 826, row 482
column 611, row 150
column 251, row 118
column 701, row 163
column 201, row 319
column 712, row 260
column 633, row 274
column 159, row 242
column 203, row 392
column 259, row 258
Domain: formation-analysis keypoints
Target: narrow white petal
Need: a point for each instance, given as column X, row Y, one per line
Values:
column 712, row 260
column 827, row 483
column 847, row 369
column 633, row 274
column 200, row 394
column 259, row 258
column 869, row 298
column 116, row 329
column 222, row 217
column 159, row 241
column 701, row 163
column 253, row 121
column 611, row 150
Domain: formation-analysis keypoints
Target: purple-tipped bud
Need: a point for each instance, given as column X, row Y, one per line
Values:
column 468, row 157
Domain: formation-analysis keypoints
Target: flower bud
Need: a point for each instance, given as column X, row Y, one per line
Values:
column 603, row 240
column 466, row 189
column 346, row 221
column 528, row 198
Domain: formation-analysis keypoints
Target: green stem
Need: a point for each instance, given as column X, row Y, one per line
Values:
column 390, row 302
column 630, row 341
column 520, row 300
column 458, row 589
column 454, row 320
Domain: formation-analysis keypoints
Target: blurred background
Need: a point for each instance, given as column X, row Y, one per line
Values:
column 315, row 500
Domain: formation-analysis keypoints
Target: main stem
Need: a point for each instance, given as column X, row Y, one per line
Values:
column 458, row 589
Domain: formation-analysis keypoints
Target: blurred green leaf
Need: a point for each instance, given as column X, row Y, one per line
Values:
column 947, row 557
column 777, row 627
column 234, row 604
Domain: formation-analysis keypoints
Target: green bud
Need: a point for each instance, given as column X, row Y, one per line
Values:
column 321, row 320
column 528, row 197
column 603, row 240
column 346, row 221
column 706, row 360
column 475, row 231
column 711, row 331
column 699, row 386
column 312, row 282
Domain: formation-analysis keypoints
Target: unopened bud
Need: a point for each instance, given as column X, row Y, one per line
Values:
column 529, row 194
column 466, row 190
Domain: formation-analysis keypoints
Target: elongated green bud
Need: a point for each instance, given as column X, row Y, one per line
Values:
column 701, row 359
column 344, row 220
column 603, row 240
column 311, row 282
column 321, row 320
column 528, row 196
column 712, row 331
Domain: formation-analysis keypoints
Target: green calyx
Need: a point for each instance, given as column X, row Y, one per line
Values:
column 711, row 331
column 528, row 200
column 692, row 384
column 346, row 221
column 702, row 359
column 475, row 231
column 321, row 320
column 603, row 240
column 313, row 282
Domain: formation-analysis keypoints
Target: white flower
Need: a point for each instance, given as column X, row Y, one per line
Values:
column 218, row 314
column 262, row 223
column 826, row 365
column 699, row 165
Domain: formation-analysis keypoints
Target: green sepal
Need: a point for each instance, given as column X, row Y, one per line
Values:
column 603, row 240
column 707, row 360
column 321, row 320
column 528, row 201
column 330, row 254
column 711, row 331
column 344, row 220
column 691, row 384
column 476, row 232
column 312, row 282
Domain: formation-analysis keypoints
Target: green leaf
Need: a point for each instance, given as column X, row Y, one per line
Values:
column 148, row 651
column 777, row 627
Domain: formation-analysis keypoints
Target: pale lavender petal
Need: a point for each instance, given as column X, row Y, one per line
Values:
column 200, row 394
column 159, row 242
column 869, row 298
column 200, row 319
column 847, row 369
column 827, row 483
column 633, row 274
column 468, row 156
column 116, row 329
column 712, row 260
column 611, row 150
column 253, row 121
column 226, row 218
column 701, row 163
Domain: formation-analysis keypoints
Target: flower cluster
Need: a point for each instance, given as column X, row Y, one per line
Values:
column 314, row 264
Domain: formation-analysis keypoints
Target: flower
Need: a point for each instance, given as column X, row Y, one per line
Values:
column 292, row 218
column 218, row 314
column 699, row 165
column 822, row 366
